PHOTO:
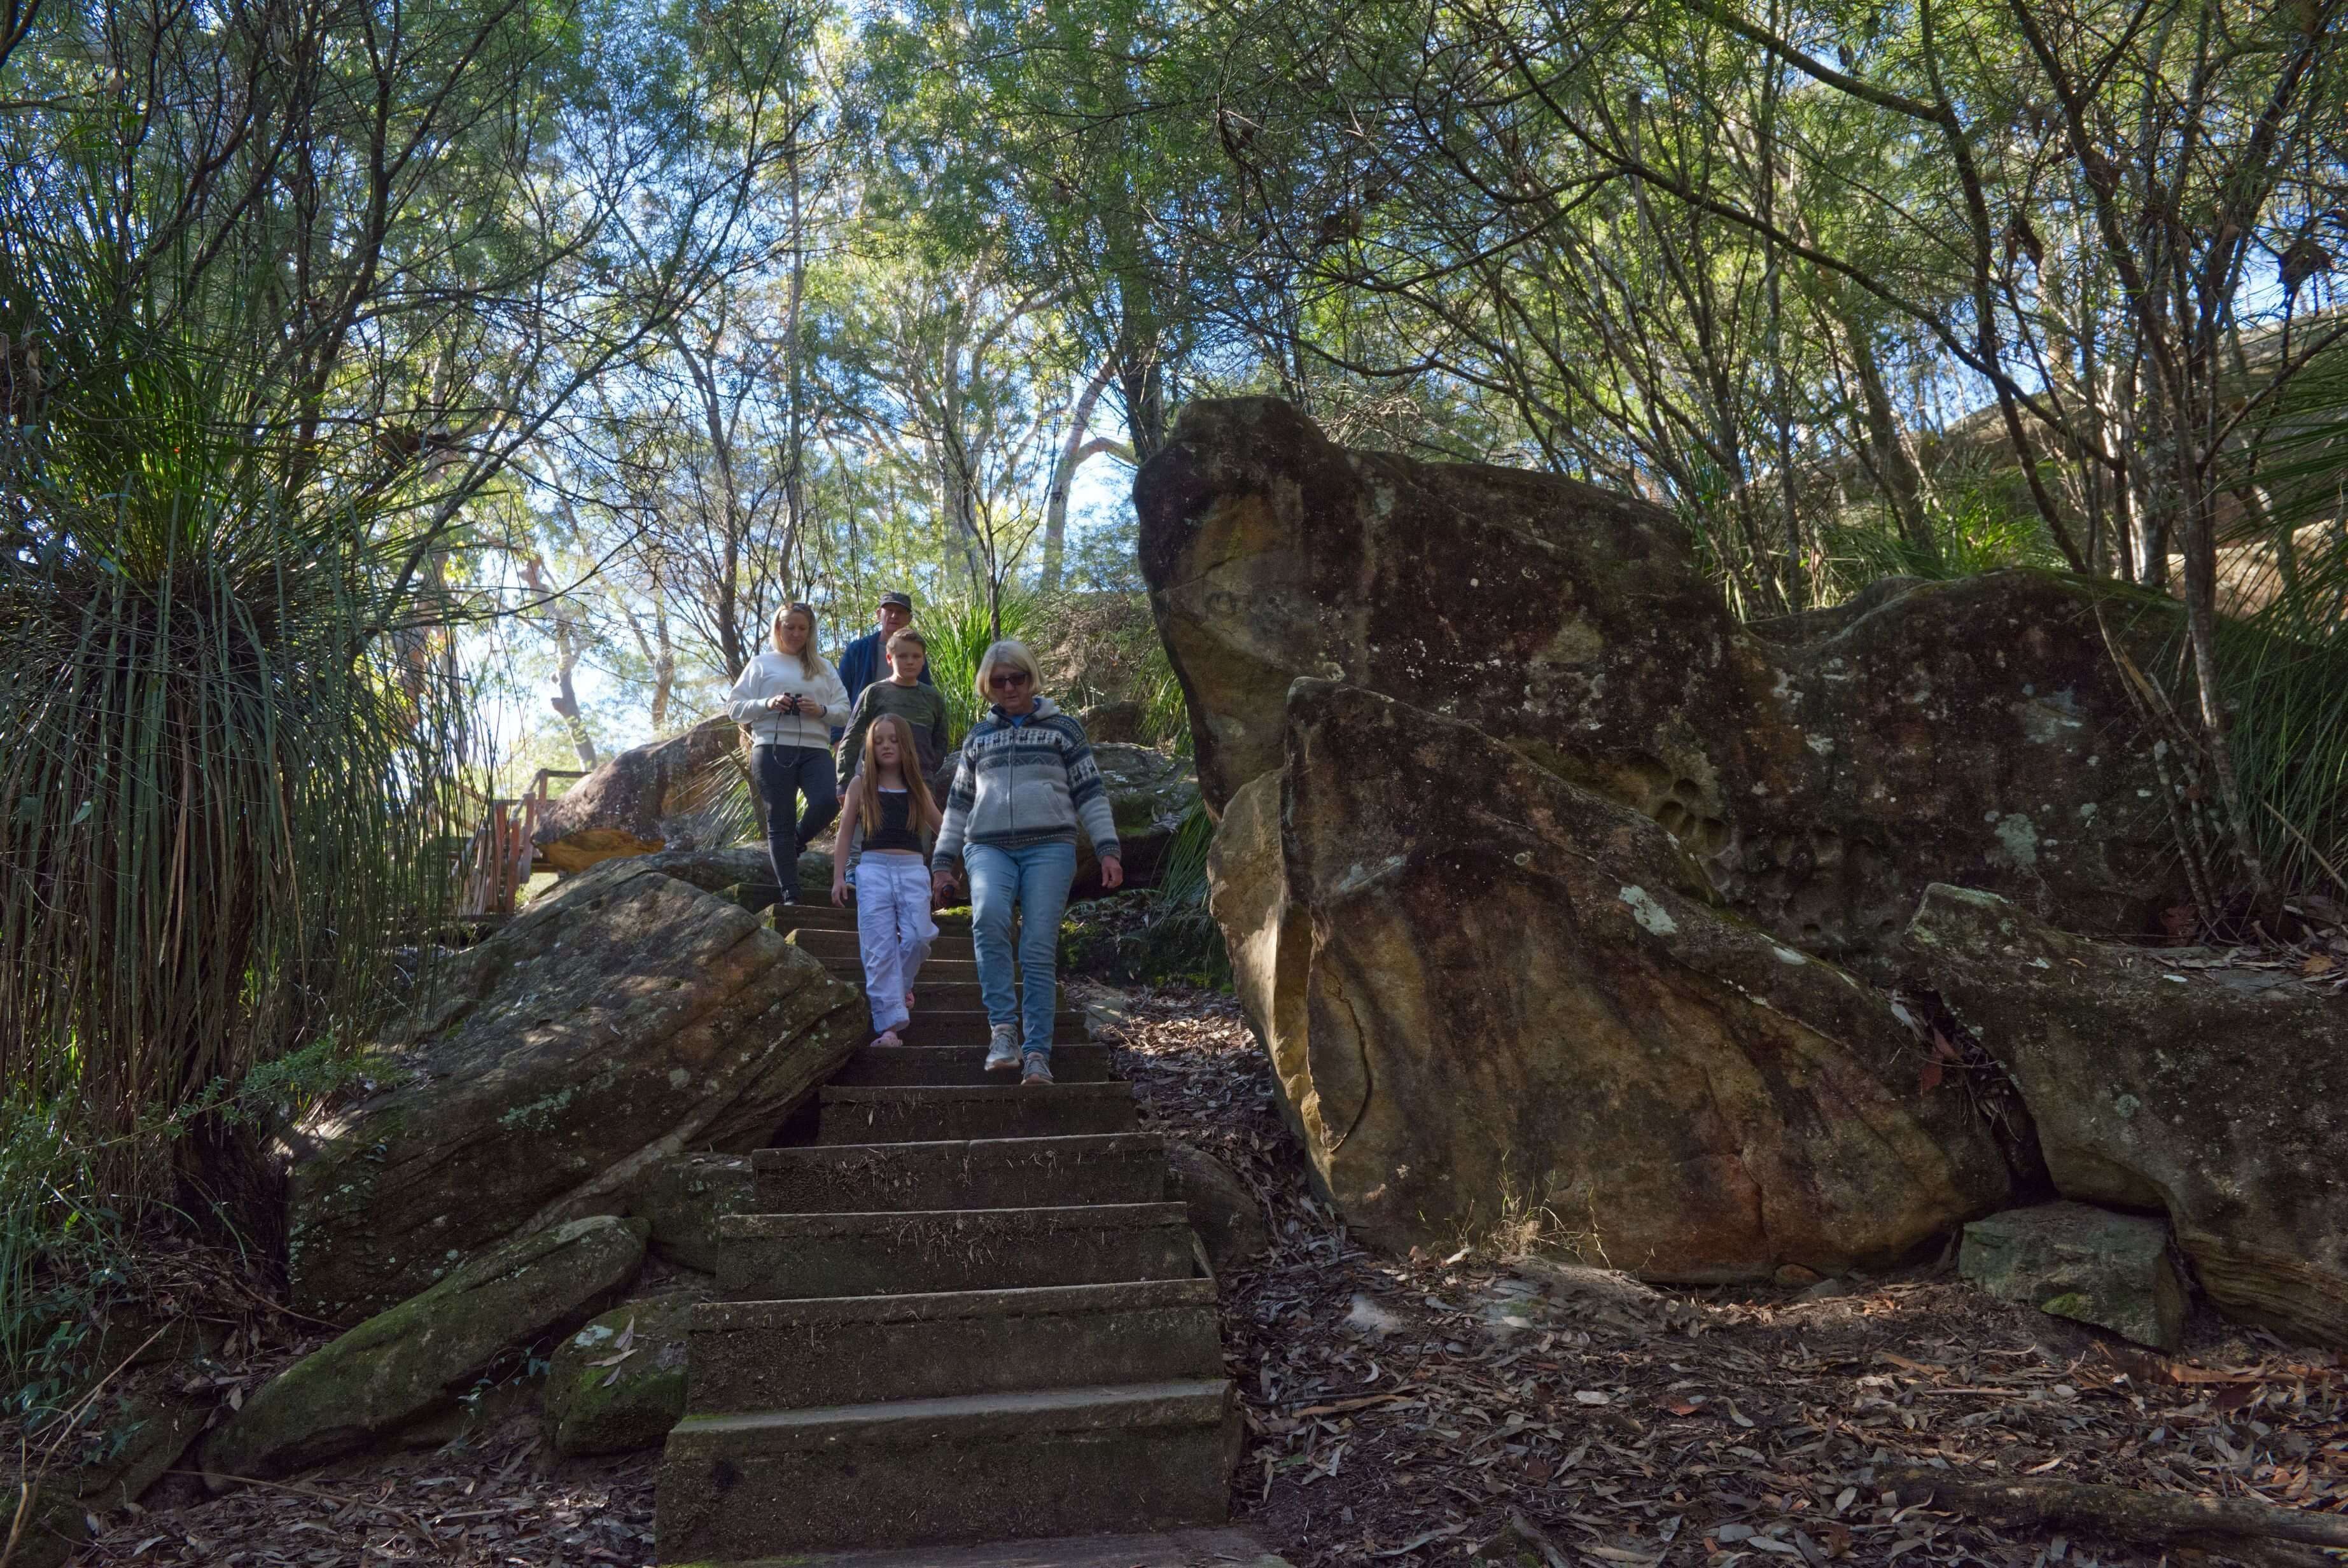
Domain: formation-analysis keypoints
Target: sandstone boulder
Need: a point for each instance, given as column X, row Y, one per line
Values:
column 401, row 1365
column 624, row 1018
column 2214, row 1096
column 1823, row 769
column 651, row 796
column 681, row 1199
column 1489, row 1002
column 618, row 1384
column 1119, row 722
column 1224, row 1213
column 2077, row 1262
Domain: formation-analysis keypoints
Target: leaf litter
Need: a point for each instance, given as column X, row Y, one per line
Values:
column 1526, row 1408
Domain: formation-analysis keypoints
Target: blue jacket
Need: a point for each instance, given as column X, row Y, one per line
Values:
column 860, row 664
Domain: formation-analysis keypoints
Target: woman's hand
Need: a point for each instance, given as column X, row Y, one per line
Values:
column 812, row 710
column 1112, row 870
column 839, row 892
column 779, row 705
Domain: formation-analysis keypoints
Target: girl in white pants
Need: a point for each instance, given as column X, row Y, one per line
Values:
column 890, row 810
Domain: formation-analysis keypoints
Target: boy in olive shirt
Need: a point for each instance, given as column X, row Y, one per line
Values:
column 905, row 695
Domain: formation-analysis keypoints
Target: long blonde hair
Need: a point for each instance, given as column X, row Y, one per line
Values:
column 921, row 806
column 811, row 661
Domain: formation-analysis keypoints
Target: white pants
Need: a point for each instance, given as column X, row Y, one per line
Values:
column 894, row 930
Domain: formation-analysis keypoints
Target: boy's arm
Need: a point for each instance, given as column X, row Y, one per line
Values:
column 939, row 741
column 851, row 747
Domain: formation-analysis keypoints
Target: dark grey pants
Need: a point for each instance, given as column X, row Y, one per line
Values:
column 785, row 773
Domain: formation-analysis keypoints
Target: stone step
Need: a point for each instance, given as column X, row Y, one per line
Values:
column 1077, row 1063
column 950, row 970
column 937, row 995
column 789, row 1257
column 985, row 1173
column 953, row 1026
column 750, row 1355
column 812, row 915
column 841, row 943
column 975, row 1468
column 1224, row 1547
column 933, row 1113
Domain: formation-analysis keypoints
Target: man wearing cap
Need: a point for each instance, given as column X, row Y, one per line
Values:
column 865, row 660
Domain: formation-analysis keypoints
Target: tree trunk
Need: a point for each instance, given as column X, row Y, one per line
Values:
column 1073, row 453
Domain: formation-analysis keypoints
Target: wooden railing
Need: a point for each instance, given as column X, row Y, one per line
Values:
column 495, row 860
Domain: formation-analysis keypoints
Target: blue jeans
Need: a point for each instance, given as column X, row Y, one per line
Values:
column 785, row 773
column 1037, row 879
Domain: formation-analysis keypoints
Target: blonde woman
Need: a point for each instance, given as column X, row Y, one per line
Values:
column 1026, row 783
column 783, row 697
column 889, row 806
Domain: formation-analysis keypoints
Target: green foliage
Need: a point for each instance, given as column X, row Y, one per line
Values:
column 2286, row 661
column 958, row 631
column 1974, row 528
column 1154, row 936
column 2290, row 701
column 62, row 1256
column 1103, row 647
column 223, row 792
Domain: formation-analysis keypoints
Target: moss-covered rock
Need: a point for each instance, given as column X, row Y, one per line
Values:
column 2212, row 1094
column 399, row 1364
column 2082, row 1263
column 626, row 1016
column 618, row 1384
column 683, row 1198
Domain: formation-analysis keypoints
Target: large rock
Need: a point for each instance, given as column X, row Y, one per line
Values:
column 2215, row 1096
column 618, row 1384
column 1824, row 770
column 1150, row 794
column 1225, row 1213
column 683, row 1199
column 401, row 1365
column 1490, row 991
column 651, row 797
column 126, row 1445
column 2083, row 1263
column 626, row 1017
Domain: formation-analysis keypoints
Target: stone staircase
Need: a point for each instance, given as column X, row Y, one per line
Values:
column 964, row 1313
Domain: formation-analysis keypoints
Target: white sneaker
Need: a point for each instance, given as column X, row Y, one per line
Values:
column 1002, row 1047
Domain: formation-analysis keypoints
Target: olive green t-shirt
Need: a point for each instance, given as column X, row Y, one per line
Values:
column 919, row 705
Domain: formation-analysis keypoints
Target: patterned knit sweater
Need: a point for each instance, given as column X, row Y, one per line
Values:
column 1026, row 781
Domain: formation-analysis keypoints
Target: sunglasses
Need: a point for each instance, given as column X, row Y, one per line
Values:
column 1011, row 680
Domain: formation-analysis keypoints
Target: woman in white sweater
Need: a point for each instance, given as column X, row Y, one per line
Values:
column 787, row 698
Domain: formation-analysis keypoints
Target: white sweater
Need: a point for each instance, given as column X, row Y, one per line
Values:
column 773, row 674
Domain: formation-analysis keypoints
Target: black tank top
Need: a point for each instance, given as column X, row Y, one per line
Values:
column 895, row 830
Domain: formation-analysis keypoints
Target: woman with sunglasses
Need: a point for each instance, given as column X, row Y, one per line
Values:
column 788, row 697
column 1025, row 783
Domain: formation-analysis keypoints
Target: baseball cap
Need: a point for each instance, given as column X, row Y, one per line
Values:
column 903, row 600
